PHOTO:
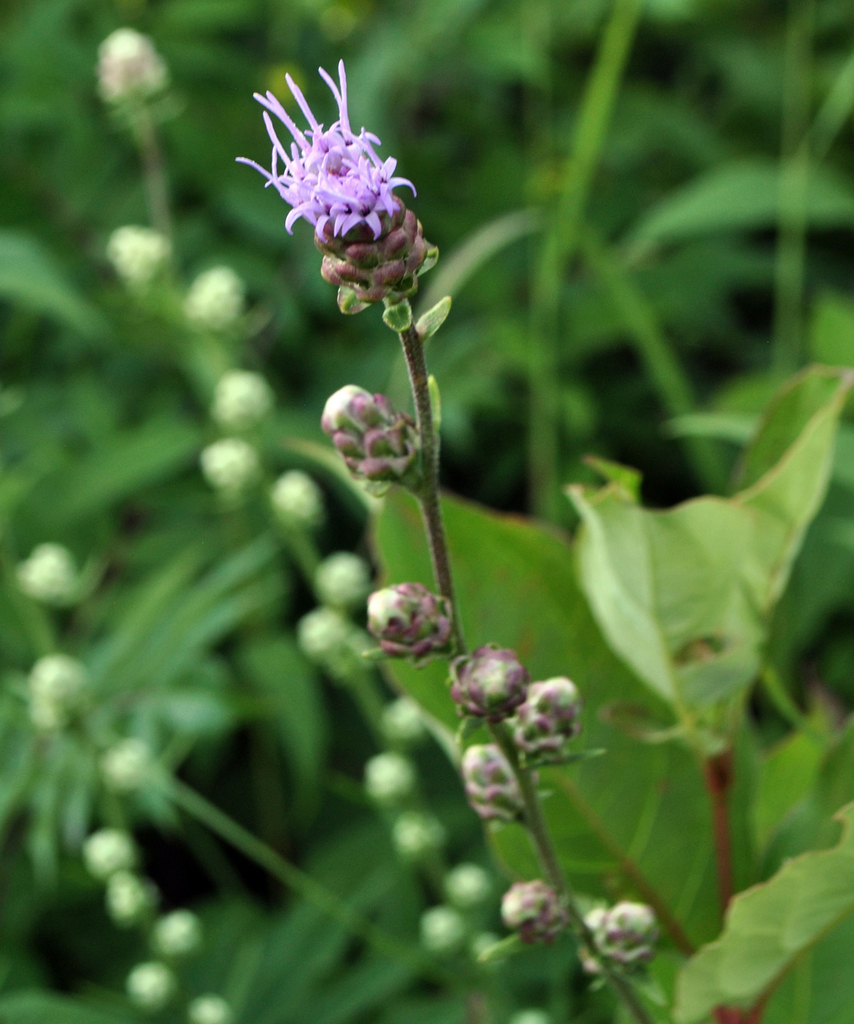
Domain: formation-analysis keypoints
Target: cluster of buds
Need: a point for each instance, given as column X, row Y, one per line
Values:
column 241, row 399
column 177, row 934
column 49, row 575
column 490, row 683
column 127, row 765
column 624, row 935
column 417, row 836
column 467, row 886
column 342, row 580
column 547, row 720
column 57, row 686
column 129, row 898
column 490, row 783
column 230, row 465
column 298, row 501
column 215, row 299
column 151, row 985
column 138, row 254
column 389, row 779
column 410, row 622
column 107, row 851
column 328, row 638
column 534, row 910
column 378, row 444
column 129, row 68
column 442, row 929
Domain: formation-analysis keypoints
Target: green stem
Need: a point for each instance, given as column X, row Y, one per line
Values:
column 304, row 885
column 154, row 173
column 559, row 247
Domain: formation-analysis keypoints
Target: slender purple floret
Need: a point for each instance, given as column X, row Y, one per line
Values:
column 331, row 176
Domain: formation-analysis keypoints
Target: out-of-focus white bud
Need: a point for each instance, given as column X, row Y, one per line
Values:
column 417, row 835
column 442, row 929
column 150, row 986
column 241, row 399
column 209, row 1010
column 215, row 299
column 343, row 580
column 57, row 684
column 322, row 632
column 49, row 574
column 297, row 499
column 138, row 254
column 128, row 898
column 481, row 943
column 129, row 67
column 229, row 465
column 467, row 885
column 531, row 1017
column 127, row 765
column 177, row 934
column 389, row 778
column 107, row 851
column 401, row 722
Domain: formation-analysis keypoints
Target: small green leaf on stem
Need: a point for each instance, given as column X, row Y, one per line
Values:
column 398, row 316
column 348, row 301
column 435, row 402
column 501, row 950
column 433, row 319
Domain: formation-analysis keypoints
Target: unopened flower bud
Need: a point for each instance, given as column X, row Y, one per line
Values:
column 129, row 67
column 531, row 1017
column 49, row 575
column 490, row 683
column 442, row 929
column 297, row 499
column 209, row 1009
column 241, row 399
column 329, row 638
column 229, row 465
column 128, row 898
column 127, row 765
column 547, row 720
column 107, row 851
column 534, row 910
column 389, row 778
column 626, row 935
column 138, row 254
column 401, row 722
column 417, row 835
column 177, row 934
column 150, row 986
column 377, row 443
column 215, row 299
column 343, row 580
column 409, row 621
column 57, row 684
column 467, row 886
column 490, row 784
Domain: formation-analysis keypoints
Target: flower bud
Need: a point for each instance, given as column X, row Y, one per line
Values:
column 177, row 934
column 531, row 1017
column 107, row 851
column 129, row 68
column 417, row 835
column 48, row 575
column 127, row 765
column 138, row 254
column 343, row 580
column 547, row 720
column 297, row 499
column 229, row 465
column 128, row 898
column 389, row 778
column 150, row 986
column 401, row 721
column 489, row 683
column 215, row 299
column 442, row 929
column 534, row 911
column 329, row 638
column 626, row 935
column 467, row 886
column 209, row 1009
column 377, row 443
column 409, row 621
column 490, row 784
column 57, row 684
column 241, row 399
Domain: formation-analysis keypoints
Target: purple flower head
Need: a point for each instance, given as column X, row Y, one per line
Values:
column 548, row 720
column 409, row 621
column 331, row 177
column 489, row 683
column 490, row 784
column 534, row 910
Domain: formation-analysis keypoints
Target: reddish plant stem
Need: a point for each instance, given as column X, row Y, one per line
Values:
column 718, row 774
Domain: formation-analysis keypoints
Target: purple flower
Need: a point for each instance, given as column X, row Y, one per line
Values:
column 332, row 177
column 489, row 683
column 534, row 910
column 409, row 621
column 490, row 784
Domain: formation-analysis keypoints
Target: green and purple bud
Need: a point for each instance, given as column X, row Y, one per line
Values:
column 410, row 622
column 377, row 443
column 625, row 935
column 547, row 720
column 534, row 910
column 490, row 683
column 491, row 786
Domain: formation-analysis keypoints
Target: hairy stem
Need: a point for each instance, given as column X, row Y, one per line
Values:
column 717, row 773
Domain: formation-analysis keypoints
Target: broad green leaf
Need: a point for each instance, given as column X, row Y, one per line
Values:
column 40, row 1007
column 768, row 927
column 788, row 771
column 684, row 596
column 739, row 196
column 832, row 330
column 30, row 276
